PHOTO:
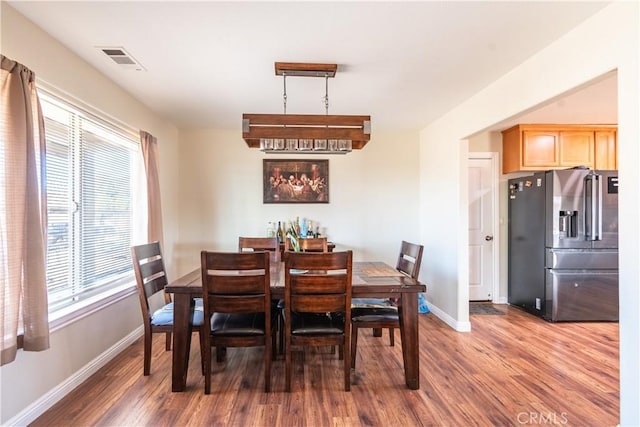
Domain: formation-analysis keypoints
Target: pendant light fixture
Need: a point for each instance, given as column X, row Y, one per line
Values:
column 306, row 133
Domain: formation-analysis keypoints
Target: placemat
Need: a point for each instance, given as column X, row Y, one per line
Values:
column 357, row 280
column 382, row 271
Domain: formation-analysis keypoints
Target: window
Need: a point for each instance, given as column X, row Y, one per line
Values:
column 92, row 171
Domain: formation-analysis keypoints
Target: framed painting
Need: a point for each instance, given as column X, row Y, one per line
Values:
column 295, row 181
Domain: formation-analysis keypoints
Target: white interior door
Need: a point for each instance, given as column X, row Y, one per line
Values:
column 482, row 239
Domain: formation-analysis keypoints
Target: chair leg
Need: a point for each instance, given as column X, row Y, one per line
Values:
column 201, row 333
column 167, row 345
column 221, row 353
column 391, row 337
column 287, row 366
column 281, row 333
column 207, row 365
column 347, row 366
column 377, row 332
column 340, row 352
column 148, row 337
column 268, row 354
column 274, row 344
column 354, row 345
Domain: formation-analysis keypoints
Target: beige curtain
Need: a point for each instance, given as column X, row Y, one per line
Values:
column 150, row 154
column 23, row 214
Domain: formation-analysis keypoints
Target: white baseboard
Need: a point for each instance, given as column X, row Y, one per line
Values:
column 53, row 396
column 456, row 325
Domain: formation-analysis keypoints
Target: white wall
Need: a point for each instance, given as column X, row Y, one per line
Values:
column 76, row 347
column 373, row 195
column 605, row 42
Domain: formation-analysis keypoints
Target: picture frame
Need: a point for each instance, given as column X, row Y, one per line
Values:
column 295, row 181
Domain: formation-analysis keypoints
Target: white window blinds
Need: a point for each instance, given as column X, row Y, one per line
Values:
column 91, row 189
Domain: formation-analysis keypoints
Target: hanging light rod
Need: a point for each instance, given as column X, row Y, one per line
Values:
column 318, row 133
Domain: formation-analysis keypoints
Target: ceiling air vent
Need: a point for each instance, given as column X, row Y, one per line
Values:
column 121, row 57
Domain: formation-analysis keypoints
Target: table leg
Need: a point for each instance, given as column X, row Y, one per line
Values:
column 181, row 341
column 408, row 311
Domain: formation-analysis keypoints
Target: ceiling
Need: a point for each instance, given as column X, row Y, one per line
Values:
column 403, row 63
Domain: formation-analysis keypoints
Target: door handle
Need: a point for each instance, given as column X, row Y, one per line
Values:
column 593, row 207
column 488, row 238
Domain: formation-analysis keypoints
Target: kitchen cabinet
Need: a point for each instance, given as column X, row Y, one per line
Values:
column 606, row 150
column 541, row 147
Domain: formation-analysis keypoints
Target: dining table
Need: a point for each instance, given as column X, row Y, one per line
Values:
column 369, row 280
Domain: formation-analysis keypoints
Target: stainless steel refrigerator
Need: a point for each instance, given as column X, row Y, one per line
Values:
column 563, row 245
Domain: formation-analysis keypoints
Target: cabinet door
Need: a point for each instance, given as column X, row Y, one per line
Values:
column 576, row 148
column 606, row 150
column 540, row 149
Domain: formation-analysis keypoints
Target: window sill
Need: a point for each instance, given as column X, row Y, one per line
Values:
column 75, row 312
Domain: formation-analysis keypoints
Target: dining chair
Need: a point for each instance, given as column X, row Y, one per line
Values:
column 151, row 279
column 272, row 245
column 318, row 304
column 311, row 244
column 236, row 290
column 260, row 244
column 378, row 313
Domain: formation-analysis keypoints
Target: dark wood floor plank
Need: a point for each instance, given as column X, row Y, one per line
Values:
column 512, row 369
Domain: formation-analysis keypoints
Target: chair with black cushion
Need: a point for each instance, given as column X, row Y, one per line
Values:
column 271, row 244
column 311, row 244
column 318, row 304
column 236, row 290
column 378, row 313
column 151, row 280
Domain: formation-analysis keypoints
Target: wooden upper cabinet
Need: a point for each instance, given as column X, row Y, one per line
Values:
column 606, row 150
column 541, row 147
column 577, row 148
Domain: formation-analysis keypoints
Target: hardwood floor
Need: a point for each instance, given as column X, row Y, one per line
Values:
column 511, row 370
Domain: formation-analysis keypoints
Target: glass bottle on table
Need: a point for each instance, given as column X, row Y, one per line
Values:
column 279, row 234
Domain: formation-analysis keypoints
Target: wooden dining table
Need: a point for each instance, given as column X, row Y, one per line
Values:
column 369, row 280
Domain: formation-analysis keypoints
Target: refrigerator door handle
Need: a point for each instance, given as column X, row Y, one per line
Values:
column 593, row 207
column 598, row 179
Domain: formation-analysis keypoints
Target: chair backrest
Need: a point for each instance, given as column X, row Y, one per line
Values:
column 312, row 244
column 236, row 282
column 151, row 277
column 409, row 259
column 325, row 285
column 260, row 244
